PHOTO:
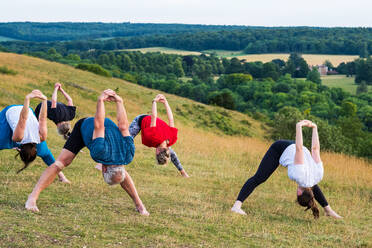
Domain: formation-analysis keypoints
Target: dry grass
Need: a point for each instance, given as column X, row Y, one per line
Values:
column 311, row 59
column 190, row 212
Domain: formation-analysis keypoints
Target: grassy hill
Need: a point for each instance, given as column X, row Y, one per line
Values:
column 190, row 212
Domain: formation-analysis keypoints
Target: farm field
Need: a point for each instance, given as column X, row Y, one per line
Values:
column 311, row 59
column 193, row 212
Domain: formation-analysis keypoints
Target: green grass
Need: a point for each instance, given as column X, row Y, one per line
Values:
column 190, row 212
column 341, row 81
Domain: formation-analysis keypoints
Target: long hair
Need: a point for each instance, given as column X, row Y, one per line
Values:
column 27, row 153
column 306, row 199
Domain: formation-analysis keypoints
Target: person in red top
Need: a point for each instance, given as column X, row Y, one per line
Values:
column 158, row 134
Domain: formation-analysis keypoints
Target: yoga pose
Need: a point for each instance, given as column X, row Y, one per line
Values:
column 21, row 130
column 304, row 168
column 108, row 143
column 59, row 113
column 156, row 133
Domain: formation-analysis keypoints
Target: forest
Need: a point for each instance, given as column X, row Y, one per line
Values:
column 251, row 40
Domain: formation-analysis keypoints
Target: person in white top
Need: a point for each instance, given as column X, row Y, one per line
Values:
column 21, row 130
column 305, row 168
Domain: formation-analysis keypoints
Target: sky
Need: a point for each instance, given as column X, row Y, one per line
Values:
column 323, row 13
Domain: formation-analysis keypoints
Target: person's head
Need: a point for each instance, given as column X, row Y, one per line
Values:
column 113, row 174
column 63, row 129
column 305, row 198
column 162, row 154
column 27, row 153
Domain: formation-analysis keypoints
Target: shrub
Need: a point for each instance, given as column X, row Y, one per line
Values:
column 5, row 70
column 97, row 69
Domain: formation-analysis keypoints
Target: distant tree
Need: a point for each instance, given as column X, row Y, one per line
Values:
column 232, row 81
column 73, row 57
column 328, row 64
column 297, row 66
column 224, row 98
column 177, row 68
column 270, row 70
column 364, row 50
column 314, row 76
column 348, row 109
column 362, row 88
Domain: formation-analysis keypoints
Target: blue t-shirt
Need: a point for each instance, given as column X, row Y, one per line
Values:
column 113, row 149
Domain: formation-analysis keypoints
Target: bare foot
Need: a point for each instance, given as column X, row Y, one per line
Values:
column 63, row 179
column 184, row 174
column 31, row 205
column 142, row 210
column 330, row 212
column 98, row 166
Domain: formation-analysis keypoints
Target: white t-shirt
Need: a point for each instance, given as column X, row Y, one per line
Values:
column 306, row 175
column 31, row 134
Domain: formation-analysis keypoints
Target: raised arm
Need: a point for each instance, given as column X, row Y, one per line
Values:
column 121, row 114
column 43, row 129
column 18, row 133
column 162, row 99
column 154, row 112
column 55, row 95
column 68, row 98
column 315, row 145
column 299, row 155
column 99, row 118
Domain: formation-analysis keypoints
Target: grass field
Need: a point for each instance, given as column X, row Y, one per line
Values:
column 163, row 50
column 341, row 81
column 190, row 212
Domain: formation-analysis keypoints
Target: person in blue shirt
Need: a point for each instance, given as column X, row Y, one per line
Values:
column 108, row 143
column 21, row 130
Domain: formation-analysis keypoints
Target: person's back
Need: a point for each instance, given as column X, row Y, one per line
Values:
column 153, row 136
column 113, row 149
column 58, row 114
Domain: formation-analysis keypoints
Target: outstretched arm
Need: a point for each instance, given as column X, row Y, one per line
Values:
column 68, row 98
column 315, row 144
column 55, row 95
column 21, row 125
column 162, row 99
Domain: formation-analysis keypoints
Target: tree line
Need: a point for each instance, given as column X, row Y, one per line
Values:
column 353, row 41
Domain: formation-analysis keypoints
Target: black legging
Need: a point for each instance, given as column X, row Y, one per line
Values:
column 268, row 165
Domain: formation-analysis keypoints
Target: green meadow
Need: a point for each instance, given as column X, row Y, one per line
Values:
column 193, row 212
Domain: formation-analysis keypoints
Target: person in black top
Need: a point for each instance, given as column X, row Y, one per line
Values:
column 60, row 113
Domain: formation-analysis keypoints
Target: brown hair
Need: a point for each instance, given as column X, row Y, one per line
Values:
column 163, row 156
column 306, row 199
column 64, row 129
column 27, row 152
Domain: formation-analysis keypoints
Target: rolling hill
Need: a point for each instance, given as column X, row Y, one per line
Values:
column 190, row 212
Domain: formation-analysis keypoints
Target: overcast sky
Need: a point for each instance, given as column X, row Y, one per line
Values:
column 327, row 13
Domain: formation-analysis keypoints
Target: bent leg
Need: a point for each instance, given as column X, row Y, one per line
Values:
column 130, row 188
column 64, row 159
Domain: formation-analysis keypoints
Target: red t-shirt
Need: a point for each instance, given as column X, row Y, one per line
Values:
column 154, row 136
